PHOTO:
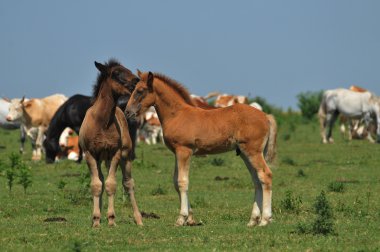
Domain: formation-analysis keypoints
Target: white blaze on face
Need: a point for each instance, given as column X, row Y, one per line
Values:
column 15, row 110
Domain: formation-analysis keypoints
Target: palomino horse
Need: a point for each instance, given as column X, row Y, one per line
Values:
column 351, row 104
column 190, row 130
column 104, row 136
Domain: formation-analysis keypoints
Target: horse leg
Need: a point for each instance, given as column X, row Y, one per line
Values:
column 96, row 187
column 322, row 124
column 367, row 121
column 262, row 175
column 111, row 187
column 181, row 183
column 129, row 184
column 22, row 138
column 40, row 136
column 258, row 200
column 330, row 120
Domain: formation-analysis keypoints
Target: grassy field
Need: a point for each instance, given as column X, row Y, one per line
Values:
column 55, row 212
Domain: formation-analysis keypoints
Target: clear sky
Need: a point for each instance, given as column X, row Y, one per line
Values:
column 274, row 49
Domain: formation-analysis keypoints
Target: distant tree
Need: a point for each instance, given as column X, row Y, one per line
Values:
column 308, row 103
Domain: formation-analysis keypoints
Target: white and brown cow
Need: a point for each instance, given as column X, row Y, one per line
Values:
column 36, row 113
column 151, row 128
column 225, row 100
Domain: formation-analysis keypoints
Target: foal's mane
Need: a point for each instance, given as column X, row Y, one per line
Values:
column 102, row 77
column 176, row 86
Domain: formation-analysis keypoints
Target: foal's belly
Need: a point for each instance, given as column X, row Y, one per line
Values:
column 202, row 147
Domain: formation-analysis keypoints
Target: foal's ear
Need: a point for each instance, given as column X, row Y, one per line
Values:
column 139, row 73
column 100, row 67
column 22, row 100
column 149, row 82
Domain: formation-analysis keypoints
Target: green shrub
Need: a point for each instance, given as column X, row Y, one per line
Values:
column 323, row 224
column 308, row 103
column 336, row 186
column 291, row 203
column 24, row 176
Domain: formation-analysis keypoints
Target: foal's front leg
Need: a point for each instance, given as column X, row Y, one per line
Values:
column 111, row 187
column 96, row 187
column 181, row 182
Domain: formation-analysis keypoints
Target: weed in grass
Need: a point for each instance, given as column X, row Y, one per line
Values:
column 217, row 161
column 158, row 191
column 336, row 186
column 14, row 159
column 10, row 174
column 289, row 161
column 324, row 222
column 61, row 184
column 286, row 136
column 301, row 173
column 291, row 203
column 24, row 176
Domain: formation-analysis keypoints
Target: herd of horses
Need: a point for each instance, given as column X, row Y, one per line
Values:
column 107, row 125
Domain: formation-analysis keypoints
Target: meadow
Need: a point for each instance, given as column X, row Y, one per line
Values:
column 54, row 212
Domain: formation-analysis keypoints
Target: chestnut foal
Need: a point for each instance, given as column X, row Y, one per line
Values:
column 104, row 136
column 190, row 130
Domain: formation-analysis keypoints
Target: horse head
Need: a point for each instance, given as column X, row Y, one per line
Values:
column 121, row 79
column 143, row 97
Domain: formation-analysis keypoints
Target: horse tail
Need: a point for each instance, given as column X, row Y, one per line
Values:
column 270, row 147
column 322, row 114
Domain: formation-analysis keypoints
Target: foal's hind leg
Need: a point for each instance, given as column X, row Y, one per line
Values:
column 258, row 201
column 190, row 218
column 181, row 183
column 129, row 184
column 262, row 175
column 96, row 187
column 111, row 187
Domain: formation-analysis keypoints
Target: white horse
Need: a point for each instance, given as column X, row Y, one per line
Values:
column 353, row 105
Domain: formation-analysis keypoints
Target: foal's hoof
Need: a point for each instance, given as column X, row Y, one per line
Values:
column 265, row 222
column 181, row 221
column 138, row 219
column 95, row 222
column 253, row 222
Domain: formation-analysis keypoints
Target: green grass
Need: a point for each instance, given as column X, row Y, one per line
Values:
column 60, row 194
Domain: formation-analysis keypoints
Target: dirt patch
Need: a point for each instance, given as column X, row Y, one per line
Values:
column 149, row 215
column 55, row 219
column 219, row 178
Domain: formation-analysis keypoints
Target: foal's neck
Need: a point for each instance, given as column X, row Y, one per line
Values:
column 168, row 102
column 105, row 105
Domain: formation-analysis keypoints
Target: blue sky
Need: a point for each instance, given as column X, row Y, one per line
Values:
column 274, row 49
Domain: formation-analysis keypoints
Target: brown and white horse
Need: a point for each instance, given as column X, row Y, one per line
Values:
column 190, row 130
column 104, row 136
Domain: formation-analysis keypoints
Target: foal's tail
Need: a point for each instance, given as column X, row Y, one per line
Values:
column 270, row 147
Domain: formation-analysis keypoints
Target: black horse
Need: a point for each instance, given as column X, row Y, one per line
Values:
column 71, row 114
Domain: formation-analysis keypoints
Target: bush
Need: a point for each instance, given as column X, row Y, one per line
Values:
column 324, row 221
column 308, row 103
column 336, row 186
column 291, row 203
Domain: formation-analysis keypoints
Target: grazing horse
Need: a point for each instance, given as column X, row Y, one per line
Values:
column 189, row 130
column 351, row 104
column 104, row 136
